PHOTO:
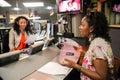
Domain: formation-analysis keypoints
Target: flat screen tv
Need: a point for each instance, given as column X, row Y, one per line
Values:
column 69, row 6
column 116, row 6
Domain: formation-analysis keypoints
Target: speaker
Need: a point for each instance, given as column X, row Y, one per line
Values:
column 5, row 40
column 85, row 5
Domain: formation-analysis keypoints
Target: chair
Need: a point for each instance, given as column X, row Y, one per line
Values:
column 116, row 63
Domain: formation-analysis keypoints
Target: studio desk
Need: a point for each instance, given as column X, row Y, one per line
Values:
column 20, row 69
column 27, row 68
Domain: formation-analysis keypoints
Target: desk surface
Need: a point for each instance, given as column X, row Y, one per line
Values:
column 38, row 75
column 20, row 69
column 23, row 68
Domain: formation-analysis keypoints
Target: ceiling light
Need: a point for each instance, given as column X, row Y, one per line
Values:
column 16, row 8
column 33, row 4
column 49, row 8
column 4, row 3
column 35, row 17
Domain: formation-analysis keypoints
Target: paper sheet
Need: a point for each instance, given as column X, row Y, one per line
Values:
column 68, row 52
column 23, row 56
column 71, row 42
column 31, row 39
column 54, row 69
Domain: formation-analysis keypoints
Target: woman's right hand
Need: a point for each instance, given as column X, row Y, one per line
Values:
column 11, row 50
column 69, row 63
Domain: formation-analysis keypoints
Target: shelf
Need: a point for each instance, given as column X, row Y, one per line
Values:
column 114, row 26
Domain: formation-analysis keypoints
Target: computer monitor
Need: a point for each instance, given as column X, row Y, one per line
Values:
column 37, row 47
column 9, row 57
column 69, row 6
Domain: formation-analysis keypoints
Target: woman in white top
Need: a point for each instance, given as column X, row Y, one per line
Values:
column 19, row 33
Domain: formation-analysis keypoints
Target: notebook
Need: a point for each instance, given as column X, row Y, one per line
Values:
column 38, row 76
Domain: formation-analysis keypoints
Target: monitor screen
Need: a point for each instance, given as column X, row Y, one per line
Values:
column 116, row 6
column 43, row 32
column 67, row 6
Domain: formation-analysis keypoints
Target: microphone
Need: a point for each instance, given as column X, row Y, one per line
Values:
column 68, row 35
column 84, row 41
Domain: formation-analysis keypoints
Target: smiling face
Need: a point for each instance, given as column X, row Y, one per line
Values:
column 85, row 30
column 22, row 24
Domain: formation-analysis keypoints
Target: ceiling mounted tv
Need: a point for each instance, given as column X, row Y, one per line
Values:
column 68, row 6
column 116, row 6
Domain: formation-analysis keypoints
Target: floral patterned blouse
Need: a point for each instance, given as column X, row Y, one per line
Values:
column 99, row 48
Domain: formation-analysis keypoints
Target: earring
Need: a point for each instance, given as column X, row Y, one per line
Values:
column 91, row 36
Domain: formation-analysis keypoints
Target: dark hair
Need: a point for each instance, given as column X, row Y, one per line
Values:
column 16, row 25
column 99, row 23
